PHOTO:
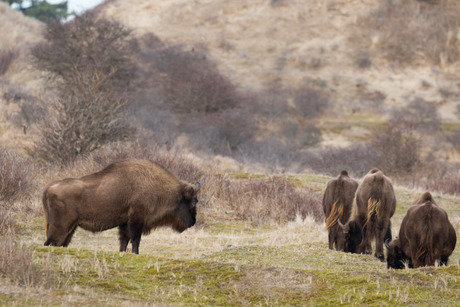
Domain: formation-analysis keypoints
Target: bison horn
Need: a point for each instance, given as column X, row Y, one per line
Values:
column 340, row 224
column 386, row 244
column 198, row 184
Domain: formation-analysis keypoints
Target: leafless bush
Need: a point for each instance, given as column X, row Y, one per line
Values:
column 6, row 58
column 397, row 148
column 269, row 200
column 78, row 124
column 87, row 44
column 373, row 100
column 271, row 102
column 16, row 262
column 190, row 83
column 454, row 139
column 15, row 175
column 448, row 185
column 420, row 115
column 269, row 150
column 7, row 222
column 357, row 159
column 363, row 60
column 408, row 30
column 309, row 101
column 89, row 57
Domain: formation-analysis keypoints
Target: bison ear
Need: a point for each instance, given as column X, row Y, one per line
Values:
column 188, row 191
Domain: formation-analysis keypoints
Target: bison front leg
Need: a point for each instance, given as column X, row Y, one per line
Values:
column 136, row 226
column 123, row 236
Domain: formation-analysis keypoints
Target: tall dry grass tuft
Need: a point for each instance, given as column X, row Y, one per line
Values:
column 16, row 262
column 266, row 200
column 15, row 175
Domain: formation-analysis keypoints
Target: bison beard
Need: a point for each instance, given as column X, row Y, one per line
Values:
column 134, row 195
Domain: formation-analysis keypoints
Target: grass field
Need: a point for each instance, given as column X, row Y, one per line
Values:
column 222, row 262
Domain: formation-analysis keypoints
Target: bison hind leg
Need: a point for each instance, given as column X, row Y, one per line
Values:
column 123, row 236
column 136, row 227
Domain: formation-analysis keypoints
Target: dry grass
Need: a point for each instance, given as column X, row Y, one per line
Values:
column 408, row 32
column 237, row 254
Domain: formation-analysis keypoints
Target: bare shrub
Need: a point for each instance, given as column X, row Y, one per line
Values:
column 363, row 60
column 6, row 58
column 357, row 159
column 447, row 185
column 15, row 175
column 271, row 102
column 16, row 262
column 89, row 57
column 270, row 150
column 408, row 30
column 396, row 146
column 190, row 83
column 373, row 100
column 7, row 222
column 454, row 139
column 78, row 125
column 419, row 115
column 88, row 43
column 269, row 200
column 310, row 102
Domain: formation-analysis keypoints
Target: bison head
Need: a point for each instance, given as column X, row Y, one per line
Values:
column 185, row 212
column 353, row 234
column 396, row 258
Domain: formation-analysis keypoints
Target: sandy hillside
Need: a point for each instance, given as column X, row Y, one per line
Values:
column 260, row 41
column 18, row 34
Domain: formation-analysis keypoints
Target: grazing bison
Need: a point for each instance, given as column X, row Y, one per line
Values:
column 425, row 236
column 373, row 206
column 134, row 195
column 337, row 202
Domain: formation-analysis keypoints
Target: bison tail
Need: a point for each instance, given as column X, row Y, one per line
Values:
column 426, row 253
column 46, row 210
column 336, row 212
column 373, row 210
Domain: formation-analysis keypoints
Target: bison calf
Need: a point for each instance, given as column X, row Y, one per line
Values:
column 134, row 195
column 426, row 236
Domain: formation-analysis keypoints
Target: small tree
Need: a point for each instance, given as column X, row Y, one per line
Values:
column 88, row 58
column 82, row 122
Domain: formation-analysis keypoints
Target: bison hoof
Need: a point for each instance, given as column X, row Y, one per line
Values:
column 380, row 257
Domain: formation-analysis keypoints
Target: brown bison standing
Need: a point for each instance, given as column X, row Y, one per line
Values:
column 373, row 206
column 134, row 195
column 337, row 202
column 425, row 236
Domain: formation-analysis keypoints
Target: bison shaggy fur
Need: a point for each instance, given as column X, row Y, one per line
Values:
column 337, row 204
column 134, row 195
column 426, row 236
column 373, row 206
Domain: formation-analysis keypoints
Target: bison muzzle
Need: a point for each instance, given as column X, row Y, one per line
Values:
column 134, row 195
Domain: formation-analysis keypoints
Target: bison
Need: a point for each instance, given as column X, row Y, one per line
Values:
column 426, row 236
column 134, row 195
column 373, row 206
column 337, row 202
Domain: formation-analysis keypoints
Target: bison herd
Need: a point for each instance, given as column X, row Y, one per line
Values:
column 137, row 196
column 357, row 214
